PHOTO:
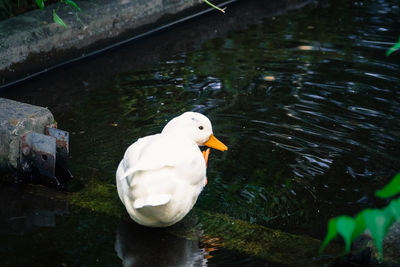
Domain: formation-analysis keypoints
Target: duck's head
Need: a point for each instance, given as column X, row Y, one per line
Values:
column 197, row 127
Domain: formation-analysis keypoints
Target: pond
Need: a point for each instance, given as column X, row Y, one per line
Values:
column 301, row 92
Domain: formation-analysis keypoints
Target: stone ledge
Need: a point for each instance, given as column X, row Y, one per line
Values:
column 33, row 42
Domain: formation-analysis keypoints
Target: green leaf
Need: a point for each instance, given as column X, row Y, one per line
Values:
column 214, row 6
column 58, row 20
column 392, row 188
column 378, row 222
column 40, row 3
column 332, row 233
column 345, row 226
column 360, row 225
column 394, row 208
column 72, row 3
column 393, row 48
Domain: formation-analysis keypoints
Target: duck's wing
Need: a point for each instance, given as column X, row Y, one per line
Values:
column 155, row 152
column 130, row 163
column 154, row 156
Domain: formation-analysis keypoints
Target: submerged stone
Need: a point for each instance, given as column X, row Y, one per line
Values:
column 255, row 240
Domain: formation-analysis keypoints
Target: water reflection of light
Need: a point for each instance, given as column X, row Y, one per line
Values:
column 269, row 78
column 305, row 47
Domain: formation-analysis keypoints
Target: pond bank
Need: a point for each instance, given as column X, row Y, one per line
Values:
column 32, row 43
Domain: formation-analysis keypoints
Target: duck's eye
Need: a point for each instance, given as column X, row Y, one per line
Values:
column 201, row 127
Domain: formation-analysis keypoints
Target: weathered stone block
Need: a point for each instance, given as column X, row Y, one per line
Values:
column 16, row 119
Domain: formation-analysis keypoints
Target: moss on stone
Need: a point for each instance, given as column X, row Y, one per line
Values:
column 255, row 240
column 272, row 245
column 99, row 197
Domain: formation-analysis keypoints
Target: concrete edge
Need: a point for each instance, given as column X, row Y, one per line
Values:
column 32, row 43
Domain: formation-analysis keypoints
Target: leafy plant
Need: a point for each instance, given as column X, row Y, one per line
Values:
column 40, row 3
column 56, row 18
column 393, row 48
column 392, row 189
column 377, row 221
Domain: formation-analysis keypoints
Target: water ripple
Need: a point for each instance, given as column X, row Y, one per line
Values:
column 311, row 111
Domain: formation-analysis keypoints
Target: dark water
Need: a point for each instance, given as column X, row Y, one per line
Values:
column 306, row 101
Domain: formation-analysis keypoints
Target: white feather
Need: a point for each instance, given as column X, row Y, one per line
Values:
column 161, row 176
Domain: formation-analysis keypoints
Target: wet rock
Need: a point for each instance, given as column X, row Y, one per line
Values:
column 16, row 119
column 391, row 244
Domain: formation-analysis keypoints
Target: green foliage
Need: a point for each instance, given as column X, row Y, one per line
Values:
column 73, row 4
column 394, row 208
column 332, row 233
column 40, row 3
column 392, row 189
column 393, row 48
column 377, row 221
column 214, row 6
column 345, row 226
column 58, row 20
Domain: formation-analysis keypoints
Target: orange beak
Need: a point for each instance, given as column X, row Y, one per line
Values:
column 213, row 142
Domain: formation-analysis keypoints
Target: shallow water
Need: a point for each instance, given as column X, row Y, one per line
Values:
column 306, row 101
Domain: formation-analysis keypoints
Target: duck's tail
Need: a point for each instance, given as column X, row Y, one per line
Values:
column 153, row 200
column 127, row 173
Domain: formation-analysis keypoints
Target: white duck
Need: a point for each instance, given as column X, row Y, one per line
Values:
column 161, row 175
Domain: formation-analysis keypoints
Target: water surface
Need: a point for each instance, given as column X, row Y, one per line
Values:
column 306, row 101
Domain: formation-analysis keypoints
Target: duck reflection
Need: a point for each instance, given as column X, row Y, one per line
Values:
column 142, row 246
